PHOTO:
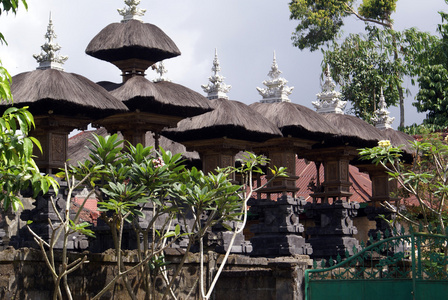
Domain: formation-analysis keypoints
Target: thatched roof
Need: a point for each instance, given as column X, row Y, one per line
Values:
column 354, row 131
column 398, row 138
column 296, row 120
column 77, row 144
column 231, row 119
column 163, row 97
column 64, row 93
column 132, row 40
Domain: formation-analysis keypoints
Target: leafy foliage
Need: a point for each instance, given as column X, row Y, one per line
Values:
column 18, row 171
column 377, row 9
column 319, row 21
column 426, row 180
column 363, row 65
column 431, row 67
column 185, row 204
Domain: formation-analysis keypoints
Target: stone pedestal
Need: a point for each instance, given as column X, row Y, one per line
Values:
column 41, row 215
column 334, row 229
column 219, row 240
column 279, row 231
column 382, row 224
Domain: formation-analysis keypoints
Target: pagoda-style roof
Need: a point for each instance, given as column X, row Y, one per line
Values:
column 79, row 143
column 296, row 120
column 398, row 138
column 63, row 93
column 166, row 98
column 354, row 131
column 132, row 40
column 229, row 119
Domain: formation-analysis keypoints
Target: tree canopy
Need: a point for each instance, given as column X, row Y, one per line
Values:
column 431, row 66
column 363, row 63
column 320, row 21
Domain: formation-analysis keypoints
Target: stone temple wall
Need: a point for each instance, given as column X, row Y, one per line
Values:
column 24, row 275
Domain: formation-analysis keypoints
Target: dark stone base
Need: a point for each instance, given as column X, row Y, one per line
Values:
column 331, row 246
column 276, row 245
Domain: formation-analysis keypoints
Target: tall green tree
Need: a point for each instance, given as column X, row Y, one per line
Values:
column 431, row 66
column 18, row 171
column 363, row 67
column 321, row 23
column 5, row 78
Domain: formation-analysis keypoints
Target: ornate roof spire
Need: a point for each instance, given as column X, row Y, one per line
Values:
column 381, row 117
column 216, row 88
column 161, row 71
column 48, row 58
column 276, row 89
column 132, row 12
column 329, row 100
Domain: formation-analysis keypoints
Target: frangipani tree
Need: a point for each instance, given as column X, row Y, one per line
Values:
column 425, row 181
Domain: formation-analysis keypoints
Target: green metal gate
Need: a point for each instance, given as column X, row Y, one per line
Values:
column 412, row 266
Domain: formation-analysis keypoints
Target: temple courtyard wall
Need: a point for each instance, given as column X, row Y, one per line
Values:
column 24, row 275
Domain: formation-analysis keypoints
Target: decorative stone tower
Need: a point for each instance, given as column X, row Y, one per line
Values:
column 216, row 88
column 331, row 209
column 276, row 89
column 329, row 99
column 161, row 71
column 281, row 152
column 49, row 57
column 52, row 133
column 384, row 188
column 381, row 117
column 132, row 12
column 213, row 155
column 336, row 183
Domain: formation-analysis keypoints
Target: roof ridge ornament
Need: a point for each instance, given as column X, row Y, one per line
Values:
column 49, row 58
column 276, row 89
column 216, row 88
column 132, row 12
column 329, row 100
column 161, row 71
column 381, row 117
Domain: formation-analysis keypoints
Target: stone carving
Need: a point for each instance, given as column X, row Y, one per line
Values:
column 132, row 12
column 382, row 217
column 329, row 100
column 276, row 89
column 278, row 231
column 334, row 229
column 216, row 88
column 49, row 58
column 381, row 118
column 41, row 215
column 161, row 71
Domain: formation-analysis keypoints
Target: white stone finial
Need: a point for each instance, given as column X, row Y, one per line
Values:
column 381, row 117
column 328, row 101
column 132, row 12
column 161, row 71
column 276, row 89
column 216, row 88
column 49, row 58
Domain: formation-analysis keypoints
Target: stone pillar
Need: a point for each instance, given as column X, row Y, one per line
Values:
column 213, row 159
column 279, row 232
column 334, row 229
column 336, row 185
column 383, row 189
column 282, row 185
column 40, row 216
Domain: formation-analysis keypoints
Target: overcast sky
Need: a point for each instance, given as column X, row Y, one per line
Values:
column 245, row 32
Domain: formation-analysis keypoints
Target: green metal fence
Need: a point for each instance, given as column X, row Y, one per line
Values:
column 403, row 266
